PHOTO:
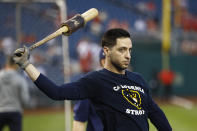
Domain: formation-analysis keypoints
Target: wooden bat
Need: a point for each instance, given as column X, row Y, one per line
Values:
column 69, row 26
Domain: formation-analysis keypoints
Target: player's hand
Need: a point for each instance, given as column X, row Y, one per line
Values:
column 21, row 57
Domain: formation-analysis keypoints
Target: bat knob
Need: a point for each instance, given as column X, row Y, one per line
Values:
column 18, row 54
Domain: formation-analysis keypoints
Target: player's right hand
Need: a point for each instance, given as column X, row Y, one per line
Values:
column 21, row 57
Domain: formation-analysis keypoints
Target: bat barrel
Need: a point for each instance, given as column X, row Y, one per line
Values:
column 90, row 14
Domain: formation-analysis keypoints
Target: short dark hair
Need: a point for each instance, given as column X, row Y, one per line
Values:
column 109, row 38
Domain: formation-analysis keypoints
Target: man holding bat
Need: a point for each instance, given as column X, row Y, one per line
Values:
column 121, row 98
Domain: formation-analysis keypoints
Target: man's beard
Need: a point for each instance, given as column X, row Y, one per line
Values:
column 118, row 66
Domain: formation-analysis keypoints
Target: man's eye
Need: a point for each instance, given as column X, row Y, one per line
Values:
column 121, row 50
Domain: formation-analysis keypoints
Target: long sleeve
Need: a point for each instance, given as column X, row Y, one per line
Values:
column 70, row 91
column 155, row 114
column 157, row 117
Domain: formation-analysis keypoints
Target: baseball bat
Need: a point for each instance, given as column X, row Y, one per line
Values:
column 70, row 26
column 67, row 27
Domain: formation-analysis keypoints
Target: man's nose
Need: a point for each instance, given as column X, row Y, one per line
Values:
column 128, row 55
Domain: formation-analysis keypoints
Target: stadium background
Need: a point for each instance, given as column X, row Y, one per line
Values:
column 28, row 22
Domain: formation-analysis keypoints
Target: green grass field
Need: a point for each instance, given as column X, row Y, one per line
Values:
column 181, row 120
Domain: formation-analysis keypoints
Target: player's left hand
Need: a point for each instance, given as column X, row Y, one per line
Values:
column 21, row 57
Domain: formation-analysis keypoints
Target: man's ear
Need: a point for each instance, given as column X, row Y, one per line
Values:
column 106, row 50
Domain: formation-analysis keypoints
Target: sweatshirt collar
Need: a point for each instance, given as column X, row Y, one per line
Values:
column 116, row 74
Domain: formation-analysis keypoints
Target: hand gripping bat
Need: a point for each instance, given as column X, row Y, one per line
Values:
column 68, row 27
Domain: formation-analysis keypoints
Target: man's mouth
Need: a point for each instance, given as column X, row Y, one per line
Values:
column 126, row 62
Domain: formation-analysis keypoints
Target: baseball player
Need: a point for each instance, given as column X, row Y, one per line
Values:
column 14, row 94
column 120, row 97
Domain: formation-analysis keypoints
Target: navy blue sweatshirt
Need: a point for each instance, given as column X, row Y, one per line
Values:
column 84, row 111
column 122, row 101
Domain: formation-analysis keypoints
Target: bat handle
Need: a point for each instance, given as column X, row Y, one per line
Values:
column 49, row 37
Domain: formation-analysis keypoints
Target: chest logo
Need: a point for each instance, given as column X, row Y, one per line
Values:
column 133, row 97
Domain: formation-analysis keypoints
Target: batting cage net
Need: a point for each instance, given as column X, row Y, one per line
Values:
column 25, row 22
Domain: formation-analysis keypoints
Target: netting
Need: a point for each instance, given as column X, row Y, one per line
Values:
column 34, row 21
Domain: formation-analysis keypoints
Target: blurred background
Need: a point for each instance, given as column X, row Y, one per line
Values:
column 164, row 35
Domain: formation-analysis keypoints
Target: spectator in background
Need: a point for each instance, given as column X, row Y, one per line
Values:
column 88, row 55
column 114, row 23
column 85, row 112
column 167, row 76
column 140, row 25
column 13, row 94
column 8, row 45
column 152, row 24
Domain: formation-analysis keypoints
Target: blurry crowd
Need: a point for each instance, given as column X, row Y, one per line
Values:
column 87, row 45
column 161, row 84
